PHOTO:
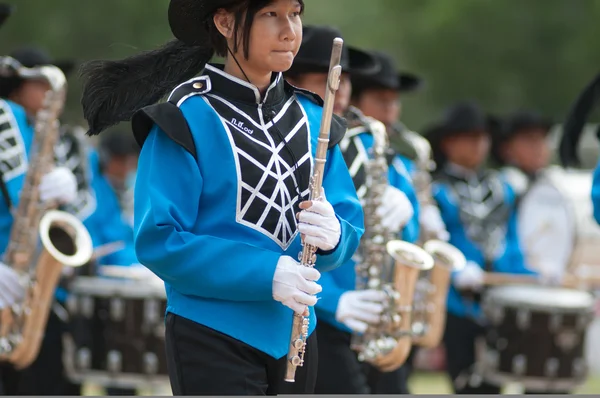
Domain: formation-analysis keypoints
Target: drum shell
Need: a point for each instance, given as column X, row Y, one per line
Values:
column 117, row 329
column 540, row 346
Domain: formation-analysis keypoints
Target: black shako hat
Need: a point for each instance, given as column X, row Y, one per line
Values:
column 386, row 76
column 31, row 57
column 5, row 11
column 513, row 125
column 314, row 54
column 463, row 117
column 188, row 19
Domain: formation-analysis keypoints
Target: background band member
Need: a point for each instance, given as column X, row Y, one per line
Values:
column 378, row 94
column 342, row 309
column 521, row 149
column 220, row 205
column 478, row 209
column 22, row 98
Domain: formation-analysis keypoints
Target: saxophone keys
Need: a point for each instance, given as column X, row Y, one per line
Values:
column 374, row 283
column 296, row 361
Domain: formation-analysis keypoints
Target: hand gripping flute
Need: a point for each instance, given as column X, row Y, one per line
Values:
column 308, row 255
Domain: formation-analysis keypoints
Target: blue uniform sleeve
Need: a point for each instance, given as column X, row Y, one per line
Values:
column 596, row 193
column 340, row 193
column 330, row 296
column 450, row 216
column 400, row 178
column 166, row 210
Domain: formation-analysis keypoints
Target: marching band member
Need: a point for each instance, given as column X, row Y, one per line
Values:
column 115, row 158
column 221, row 189
column 520, row 148
column 21, row 99
column 343, row 310
column 522, row 152
column 478, row 209
column 378, row 94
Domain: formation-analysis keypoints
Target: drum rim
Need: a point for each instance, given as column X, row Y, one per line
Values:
column 115, row 287
column 492, row 297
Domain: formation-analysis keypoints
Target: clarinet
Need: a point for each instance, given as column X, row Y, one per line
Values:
column 308, row 255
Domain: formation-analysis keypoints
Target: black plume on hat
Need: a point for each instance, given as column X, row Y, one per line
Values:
column 314, row 54
column 575, row 122
column 387, row 76
column 5, row 11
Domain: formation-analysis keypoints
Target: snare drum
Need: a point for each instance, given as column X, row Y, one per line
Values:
column 117, row 332
column 536, row 337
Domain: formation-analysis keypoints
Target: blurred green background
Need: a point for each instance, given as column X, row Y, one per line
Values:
column 505, row 53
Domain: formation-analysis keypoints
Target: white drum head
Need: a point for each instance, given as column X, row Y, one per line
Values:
column 540, row 297
column 546, row 227
column 109, row 287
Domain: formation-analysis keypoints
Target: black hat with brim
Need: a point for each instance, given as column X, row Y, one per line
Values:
column 514, row 125
column 314, row 54
column 387, row 77
column 464, row 117
column 31, row 57
column 188, row 19
column 5, row 11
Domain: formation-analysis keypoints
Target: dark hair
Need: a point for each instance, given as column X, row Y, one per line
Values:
column 114, row 90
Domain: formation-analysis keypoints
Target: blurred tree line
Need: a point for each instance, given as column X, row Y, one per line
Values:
column 507, row 54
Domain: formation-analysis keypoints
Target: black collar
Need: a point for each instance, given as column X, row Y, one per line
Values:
column 235, row 89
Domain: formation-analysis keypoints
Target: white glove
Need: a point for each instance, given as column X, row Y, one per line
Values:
column 294, row 286
column 395, row 209
column 431, row 221
column 11, row 290
column 358, row 309
column 470, row 277
column 319, row 225
column 60, row 184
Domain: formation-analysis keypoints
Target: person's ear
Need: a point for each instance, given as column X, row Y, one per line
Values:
column 224, row 21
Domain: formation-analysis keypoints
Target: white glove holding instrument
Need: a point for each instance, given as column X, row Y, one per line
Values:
column 60, row 184
column 11, row 290
column 294, row 285
column 361, row 308
column 318, row 223
column 552, row 275
column 431, row 220
column 395, row 209
column 470, row 277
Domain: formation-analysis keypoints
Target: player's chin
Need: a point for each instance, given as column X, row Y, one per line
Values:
column 281, row 61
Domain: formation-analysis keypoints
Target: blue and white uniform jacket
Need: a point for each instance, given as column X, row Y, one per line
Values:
column 480, row 216
column 220, row 176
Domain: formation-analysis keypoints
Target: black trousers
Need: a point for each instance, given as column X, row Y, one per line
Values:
column 202, row 361
column 46, row 375
column 340, row 371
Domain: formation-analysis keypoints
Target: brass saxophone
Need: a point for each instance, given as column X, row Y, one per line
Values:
column 308, row 256
column 64, row 239
column 432, row 287
column 387, row 264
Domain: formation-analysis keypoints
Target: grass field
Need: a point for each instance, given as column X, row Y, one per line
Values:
column 419, row 383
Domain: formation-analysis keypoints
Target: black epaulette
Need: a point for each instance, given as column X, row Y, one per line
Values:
column 338, row 124
column 169, row 117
